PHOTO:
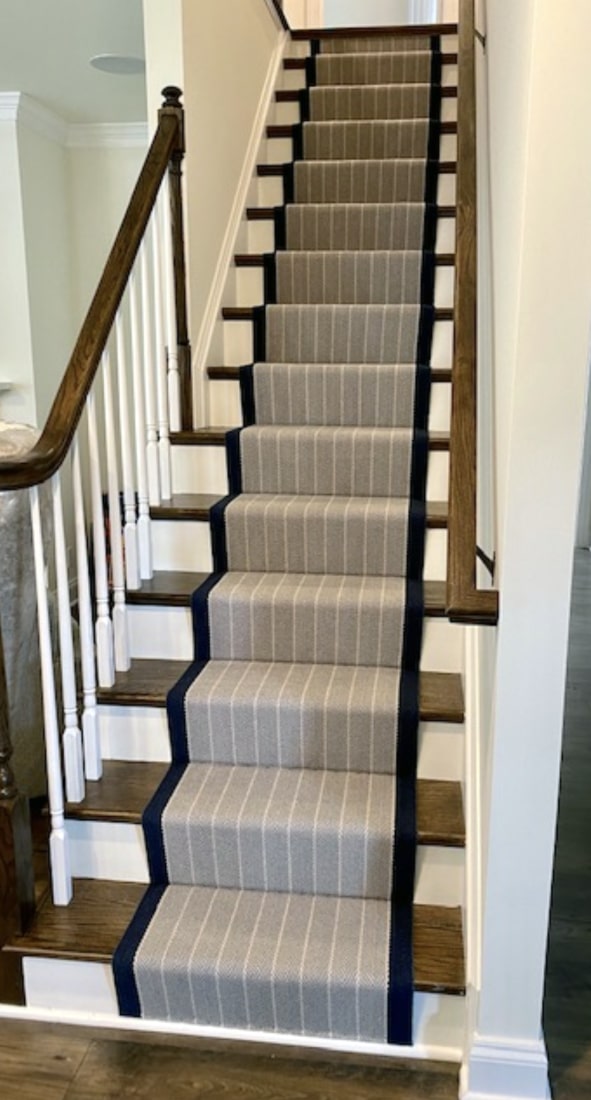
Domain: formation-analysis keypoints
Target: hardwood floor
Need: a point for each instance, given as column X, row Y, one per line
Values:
column 56, row 1063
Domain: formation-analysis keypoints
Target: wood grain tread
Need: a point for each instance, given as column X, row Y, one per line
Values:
column 215, row 436
column 267, row 213
column 249, row 313
column 232, row 374
column 128, row 785
column 185, row 506
column 257, row 259
column 299, row 63
column 148, row 681
column 292, row 95
column 288, row 129
column 167, row 588
column 306, row 34
column 90, row 928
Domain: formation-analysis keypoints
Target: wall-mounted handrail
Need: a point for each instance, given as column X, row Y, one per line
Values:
column 466, row 602
column 166, row 152
column 281, row 14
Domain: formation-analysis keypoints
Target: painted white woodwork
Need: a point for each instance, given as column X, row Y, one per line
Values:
column 90, row 723
column 152, row 460
column 134, row 733
column 139, row 407
column 61, row 878
column 184, row 546
column 160, row 366
column 132, row 572
column 104, row 627
column 84, row 994
column 199, row 470
column 120, row 629
column 72, row 736
column 172, row 354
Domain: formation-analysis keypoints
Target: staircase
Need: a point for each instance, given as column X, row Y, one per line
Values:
column 319, row 751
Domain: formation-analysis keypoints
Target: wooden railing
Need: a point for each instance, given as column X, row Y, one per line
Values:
column 105, row 451
column 466, row 602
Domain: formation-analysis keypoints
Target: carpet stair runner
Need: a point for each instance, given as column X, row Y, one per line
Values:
column 282, row 840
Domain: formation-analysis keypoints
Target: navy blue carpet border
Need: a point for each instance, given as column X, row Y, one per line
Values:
column 126, row 951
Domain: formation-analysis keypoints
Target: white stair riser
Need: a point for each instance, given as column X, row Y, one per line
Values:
column 166, row 632
column 116, row 851
column 141, row 733
column 181, row 545
column 69, row 986
column 246, row 288
column 134, row 733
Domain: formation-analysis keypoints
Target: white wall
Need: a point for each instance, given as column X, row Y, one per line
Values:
column 101, row 180
column 350, row 13
column 228, row 50
column 541, row 182
column 16, row 353
column 44, row 182
column 163, row 40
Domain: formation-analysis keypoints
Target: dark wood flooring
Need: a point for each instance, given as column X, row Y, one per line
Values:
column 56, row 1063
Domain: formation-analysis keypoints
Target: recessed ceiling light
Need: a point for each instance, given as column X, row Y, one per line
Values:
column 118, row 64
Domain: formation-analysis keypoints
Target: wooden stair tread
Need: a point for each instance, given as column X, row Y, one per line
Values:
column 299, row 63
column 148, row 682
column 185, row 506
column 215, row 436
column 90, row 928
column 232, row 374
column 248, row 313
column 417, row 30
column 257, row 259
column 267, row 213
column 292, row 95
column 444, row 168
column 128, row 785
column 287, row 129
column 167, row 588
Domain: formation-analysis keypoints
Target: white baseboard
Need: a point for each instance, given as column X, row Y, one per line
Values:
column 212, row 307
column 505, row 1069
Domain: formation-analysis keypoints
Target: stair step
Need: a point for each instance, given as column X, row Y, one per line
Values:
column 419, row 31
column 299, row 63
column 167, row 588
column 250, row 313
column 232, row 374
column 90, row 928
column 185, row 506
column 444, row 168
column 291, row 95
column 257, row 259
column 127, row 786
column 216, row 437
column 267, row 213
column 289, row 129
column 148, row 682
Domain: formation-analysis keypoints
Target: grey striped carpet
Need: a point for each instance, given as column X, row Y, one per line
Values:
column 281, row 843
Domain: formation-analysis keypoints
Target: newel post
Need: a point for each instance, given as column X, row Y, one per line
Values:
column 172, row 106
column 17, row 886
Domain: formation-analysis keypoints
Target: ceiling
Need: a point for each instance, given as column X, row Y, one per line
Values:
column 46, row 46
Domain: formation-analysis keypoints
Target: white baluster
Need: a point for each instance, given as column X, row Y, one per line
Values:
column 61, row 878
column 104, row 627
column 144, row 533
column 150, row 385
column 72, row 737
column 120, row 629
column 174, row 381
column 90, row 732
column 161, row 371
column 132, row 571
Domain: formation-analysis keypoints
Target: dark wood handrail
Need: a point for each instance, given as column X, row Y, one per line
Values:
column 465, row 601
column 48, row 454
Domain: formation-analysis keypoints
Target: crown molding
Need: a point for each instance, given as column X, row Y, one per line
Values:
column 108, row 135
column 29, row 112
column 24, row 110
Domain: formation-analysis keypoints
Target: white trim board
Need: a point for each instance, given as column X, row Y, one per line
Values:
column 438, row 1019
column 505, row 1069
